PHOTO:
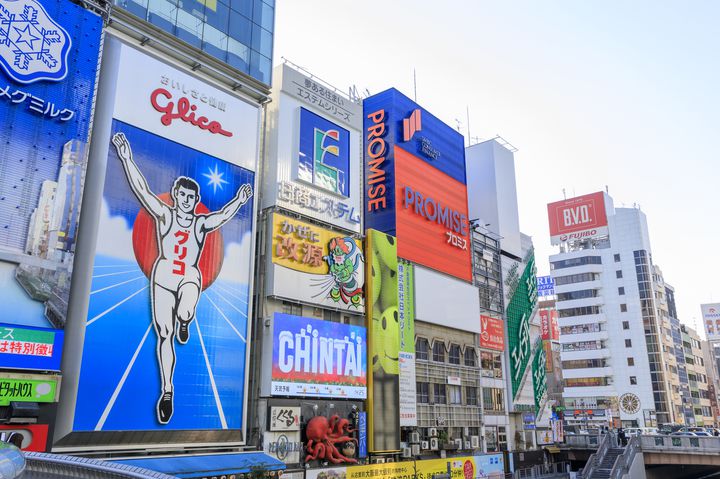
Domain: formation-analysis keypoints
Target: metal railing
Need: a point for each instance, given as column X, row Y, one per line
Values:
column 583, row 441
column 624, row 461
column 596, row 458
column 681, row 444
column 553, row 470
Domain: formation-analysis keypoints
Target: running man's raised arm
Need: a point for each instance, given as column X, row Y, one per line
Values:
column 138, row 183
column 216, row 219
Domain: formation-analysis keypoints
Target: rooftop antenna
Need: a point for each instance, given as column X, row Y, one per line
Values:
column 607, row 190
column 564, row 195
column 459, row 125
column 467, row 110
column 415, row 84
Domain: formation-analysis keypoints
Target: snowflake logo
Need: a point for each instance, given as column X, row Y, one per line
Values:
column 33, row 46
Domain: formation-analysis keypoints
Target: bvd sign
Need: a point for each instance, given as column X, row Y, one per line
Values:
column 582, row 217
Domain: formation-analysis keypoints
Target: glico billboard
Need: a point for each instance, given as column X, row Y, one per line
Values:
column 415, row 185
column 582, row 217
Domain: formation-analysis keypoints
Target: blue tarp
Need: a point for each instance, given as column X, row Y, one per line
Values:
column 188, row 467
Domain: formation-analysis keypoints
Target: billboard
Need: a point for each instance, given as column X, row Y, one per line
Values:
column 546, row 286
column 312, row 357
column 406, row 353
column 468, row 467
column 539, row 365
column 415, row 183
column 523, row 299
column 48, row 66
column 384, row 342
column 549, row 328
column 492, row 333
column 171, row 287
column 582, row 217
column 315, row 265
column 313, row 151
column 711, row 320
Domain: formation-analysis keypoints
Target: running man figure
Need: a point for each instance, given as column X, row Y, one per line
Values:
column 176, row 280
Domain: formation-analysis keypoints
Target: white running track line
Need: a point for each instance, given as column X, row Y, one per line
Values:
column 226, row 319
column 231, row 304
column 121, row 383
column 111, row 266
column 231, row 293
column 92, row 320
column 116, row 285
column 115, row 274
column 223, row 422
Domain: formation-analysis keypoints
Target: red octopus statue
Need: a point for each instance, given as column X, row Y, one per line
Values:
column 322, row 436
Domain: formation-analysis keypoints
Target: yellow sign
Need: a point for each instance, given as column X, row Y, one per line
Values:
column 467, row 467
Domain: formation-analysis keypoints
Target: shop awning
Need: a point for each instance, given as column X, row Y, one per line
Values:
column 212, row 465
column 552, row 449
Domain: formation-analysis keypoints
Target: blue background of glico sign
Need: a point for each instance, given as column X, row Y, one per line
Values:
column 33, row 144
column 443, row 138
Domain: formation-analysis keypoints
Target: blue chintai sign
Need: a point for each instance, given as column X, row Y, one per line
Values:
column 48, row 65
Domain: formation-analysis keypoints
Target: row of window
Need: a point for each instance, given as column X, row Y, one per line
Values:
column 579, row 294
column 569, row 263
column 579, row 311
column 575, row 278
column 454, row 355
column 583, row 346
column 581, row 328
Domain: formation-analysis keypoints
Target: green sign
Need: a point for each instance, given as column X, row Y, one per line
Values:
column 27, row 390
column 27, row 335
column 406, row 306
column 539, row 376
column 519, row 313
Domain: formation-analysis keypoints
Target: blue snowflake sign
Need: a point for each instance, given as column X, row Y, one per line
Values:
column 33, row 46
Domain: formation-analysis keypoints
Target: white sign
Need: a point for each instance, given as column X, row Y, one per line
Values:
column 175, row 105
column 285, row 446
column 544, row 437
column 454, row 380
column 711, row 320
column 284, row 418
column 408, row 389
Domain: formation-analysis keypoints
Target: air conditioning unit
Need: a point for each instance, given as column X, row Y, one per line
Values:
column 425, row 445
column 414, row 437
column 377, row 460
column 434, row 444
column 406, row 452
column 458, row 443
column 432, row 432
column 475, row 442
column 467, row 444
column 415, row 449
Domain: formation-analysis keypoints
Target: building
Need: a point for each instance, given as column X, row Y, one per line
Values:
column 698, row 380
column 616, row 336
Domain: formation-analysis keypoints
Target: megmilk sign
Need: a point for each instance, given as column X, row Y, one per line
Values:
column 582, row 217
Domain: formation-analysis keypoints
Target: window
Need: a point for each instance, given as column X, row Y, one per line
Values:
column 583, row 364
column 626, row 324
column 618, row 274
column 569, row 263
column 439, row 352
column 580, row 294
column 585, row 382
column 471, row 395
column 455, row 394
column 581, row 328
column 439, row 394
column 617, row 258
column 621, row 290
column 633, row 380
column 422, row 349
column 291, row 308
column 454, row 354
column 493, row 399
column 491, row 362
column 575, row 278
column 470, row 359
column 628, row 343
column 423, row 393
column 579, row 311
column 583, row 346
column 623, row 308
column 631, row 361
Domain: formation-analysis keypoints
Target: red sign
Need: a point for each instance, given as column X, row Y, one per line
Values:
column 577, row 218
column 554, row 326
column 431, row 217
column 492, row 333
column 34, row 437
column 549, row 328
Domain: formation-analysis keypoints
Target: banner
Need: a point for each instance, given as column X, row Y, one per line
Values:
column 316, row 265
column 406, row 309
column 28, row 388
column 711, row 320
column 384, row 342
column 492, row 333
column 545, row 286
column 311, row 357
column 539, row 365
column 171, row 286
column 582, row 217
column 519, row 312
column 48, row 67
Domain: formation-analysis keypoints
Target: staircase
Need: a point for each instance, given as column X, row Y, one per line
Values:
column 602, row 470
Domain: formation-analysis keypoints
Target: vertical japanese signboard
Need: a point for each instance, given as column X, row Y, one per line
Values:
column 384, row 342
column 406, row 310
column 539, row 375
column 315, row 265
column 523, row 300
column 48, row 66
column 172, row 286
column 492, row 333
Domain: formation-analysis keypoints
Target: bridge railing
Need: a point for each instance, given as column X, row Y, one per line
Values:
column 624, row 461
column 685, row 444
column 583, row 441
column 605, row 442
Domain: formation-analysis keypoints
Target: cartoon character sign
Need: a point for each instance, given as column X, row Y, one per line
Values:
column 345, row 263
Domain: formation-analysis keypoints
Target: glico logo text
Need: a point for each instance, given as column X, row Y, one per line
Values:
column 434, row 211
column 185, row 112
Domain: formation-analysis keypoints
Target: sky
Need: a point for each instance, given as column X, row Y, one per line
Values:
column 593, row 94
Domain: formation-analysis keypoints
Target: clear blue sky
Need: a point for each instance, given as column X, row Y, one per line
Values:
column 616, row 93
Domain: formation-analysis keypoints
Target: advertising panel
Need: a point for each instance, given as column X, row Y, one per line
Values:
column 384, row 342
column 283, row 446
column 711, row 319
column 523, row 299
column 312, row 357
column 546, row 286
column 446, row 301
column 171, row 282
column 48, row 65
column 539, row 376
column 313, row 153
column 468, row 467
column 582, row 217
column 284, row 418
column 34, row 436
column 316, row 265
column 37, row 388
column 406, row 358
column 492, row 333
